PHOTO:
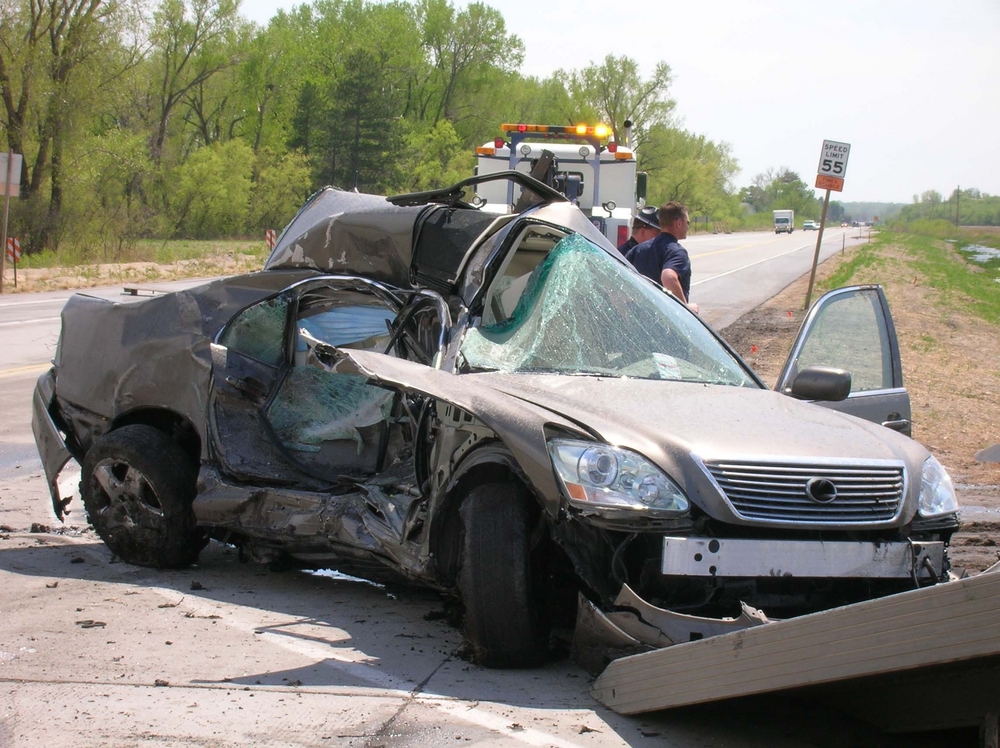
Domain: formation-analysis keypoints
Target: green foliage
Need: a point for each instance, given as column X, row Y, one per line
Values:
column 781, row 190
column 964, row 284
column 968, row 207
column 105, row 203
column 211, row 191
column 689, row 168
column 359, row 129
column 180, row 119
column 434, row 158
column 279, row 190
column 615, row 91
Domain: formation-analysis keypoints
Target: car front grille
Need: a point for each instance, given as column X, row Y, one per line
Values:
column 865, row 493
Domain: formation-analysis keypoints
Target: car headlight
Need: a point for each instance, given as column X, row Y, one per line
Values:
column 937, row 495
column 599, row 476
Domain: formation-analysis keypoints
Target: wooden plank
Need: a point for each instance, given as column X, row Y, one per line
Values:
column 880, row 631
column 941, row 628
column 843, row 624
column 946, row 623
column 927, row 632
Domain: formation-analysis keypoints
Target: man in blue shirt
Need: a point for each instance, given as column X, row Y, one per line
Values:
column 662, row 258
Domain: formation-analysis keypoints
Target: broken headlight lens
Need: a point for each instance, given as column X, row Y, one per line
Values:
column 937, row 495
column 599, row 476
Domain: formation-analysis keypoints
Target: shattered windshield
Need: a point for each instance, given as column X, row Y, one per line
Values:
column 579, row 311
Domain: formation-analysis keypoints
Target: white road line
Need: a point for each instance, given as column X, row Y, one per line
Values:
column 25, row 303
column 759, row 262
column 29, row 321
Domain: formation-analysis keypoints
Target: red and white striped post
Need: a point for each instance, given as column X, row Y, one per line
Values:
column 14, row 254
column 270, row 237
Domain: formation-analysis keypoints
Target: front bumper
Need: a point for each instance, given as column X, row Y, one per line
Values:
column 717, row 557
column 48, row 439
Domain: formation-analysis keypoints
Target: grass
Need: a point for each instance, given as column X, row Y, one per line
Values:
column 927, row 343
column 161, row 252
column 927, row 252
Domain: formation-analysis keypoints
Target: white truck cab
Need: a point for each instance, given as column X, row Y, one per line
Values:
column 784, row 221
column 596, row 173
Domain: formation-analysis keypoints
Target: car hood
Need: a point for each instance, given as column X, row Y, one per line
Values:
column 654, row 416
column 678, row 425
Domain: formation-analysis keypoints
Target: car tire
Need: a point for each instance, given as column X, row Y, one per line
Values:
column 138, row 486
column 503, row 618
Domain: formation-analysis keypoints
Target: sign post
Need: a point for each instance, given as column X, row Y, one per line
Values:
column 829, row 176
column 10, row 165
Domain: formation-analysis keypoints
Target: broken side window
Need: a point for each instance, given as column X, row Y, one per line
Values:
column 259, row 332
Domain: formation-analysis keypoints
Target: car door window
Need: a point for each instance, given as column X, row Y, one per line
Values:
column 851, row 329
column 332, row 423
column 259, row 332
column 850, row 333
column 532, row 247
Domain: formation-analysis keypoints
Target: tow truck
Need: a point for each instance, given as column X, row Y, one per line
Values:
column 584, row 162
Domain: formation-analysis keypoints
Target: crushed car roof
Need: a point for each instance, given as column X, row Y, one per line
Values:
column 391, row 239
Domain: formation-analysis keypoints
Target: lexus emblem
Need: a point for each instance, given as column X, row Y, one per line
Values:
column 821, row 490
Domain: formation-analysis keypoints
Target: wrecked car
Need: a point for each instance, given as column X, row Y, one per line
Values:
column 500, row 408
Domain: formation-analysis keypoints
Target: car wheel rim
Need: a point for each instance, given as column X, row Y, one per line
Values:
column 128, row 498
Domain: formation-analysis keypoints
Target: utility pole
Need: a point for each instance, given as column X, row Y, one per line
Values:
column 958, row 196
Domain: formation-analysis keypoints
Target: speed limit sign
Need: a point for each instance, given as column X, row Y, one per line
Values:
column 832, row 165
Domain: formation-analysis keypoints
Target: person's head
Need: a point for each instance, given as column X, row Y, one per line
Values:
column 645, row 225
column 674, row 219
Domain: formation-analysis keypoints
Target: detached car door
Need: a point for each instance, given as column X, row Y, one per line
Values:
column 851, row 329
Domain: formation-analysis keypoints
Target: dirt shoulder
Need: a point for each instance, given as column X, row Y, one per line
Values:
column 950, row 367
column 87, row 276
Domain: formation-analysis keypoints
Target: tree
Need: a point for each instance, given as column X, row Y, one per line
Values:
column 462, row 49
column 211, row 195
column 614, row 92
column 689, row 168
column 435, row 158
column 43, row 46
column 191, row 46
column 280, row 187
column 781, row 189
column 359, row 128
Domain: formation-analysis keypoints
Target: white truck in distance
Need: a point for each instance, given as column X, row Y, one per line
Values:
column 596, row 173
column 784, row 220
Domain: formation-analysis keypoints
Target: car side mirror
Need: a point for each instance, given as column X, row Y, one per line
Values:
column 821, row 383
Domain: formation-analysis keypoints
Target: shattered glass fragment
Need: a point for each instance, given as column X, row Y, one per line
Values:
column 259, row 332
column 314, row 406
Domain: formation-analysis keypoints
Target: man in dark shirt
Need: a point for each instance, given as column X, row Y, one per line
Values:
column 663, row 259
column 645, row 226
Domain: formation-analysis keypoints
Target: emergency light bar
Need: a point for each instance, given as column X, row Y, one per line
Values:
column 597, row 131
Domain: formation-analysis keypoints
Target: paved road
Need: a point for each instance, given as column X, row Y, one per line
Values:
column 733, row 273
column 97, row 653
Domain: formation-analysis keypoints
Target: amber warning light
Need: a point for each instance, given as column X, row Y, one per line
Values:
column 597, row 131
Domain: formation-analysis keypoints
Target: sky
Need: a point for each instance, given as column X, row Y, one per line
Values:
column 912, row 85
